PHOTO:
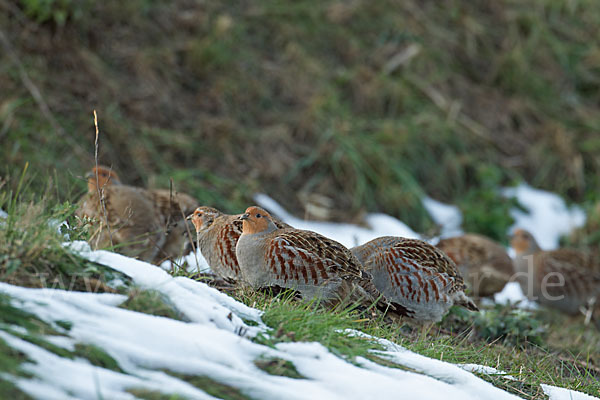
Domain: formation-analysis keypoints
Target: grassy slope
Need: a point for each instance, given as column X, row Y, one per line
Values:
column 556, row 360
column 303, row 99
column 541, row 348
column 368, row 104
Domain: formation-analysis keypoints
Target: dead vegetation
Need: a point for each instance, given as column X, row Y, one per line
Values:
column 344, row 101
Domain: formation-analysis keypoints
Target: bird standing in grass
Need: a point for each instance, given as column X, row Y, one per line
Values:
column 217, row 235
column 563, row 279
column 484, row 264
column 417, row 278
column 147, row 224
column 311, row 264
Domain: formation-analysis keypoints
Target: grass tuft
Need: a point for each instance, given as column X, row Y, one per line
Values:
column 146, row 394
column 279, row 367
column 212, row 387
column 31, row 244
column 151, row 302
column 10, row 361
column 96, row 356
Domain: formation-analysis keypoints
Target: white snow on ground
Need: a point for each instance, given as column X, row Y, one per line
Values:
column 215, row 341
column 553, row 392
column 548, row 218
column 441, row 370
column 483, row 369
column 447, row 216
column 512, row 293
column 198, row 303
column 143, row 345
column 556, row 393
column 195, row 262
column 347, row 234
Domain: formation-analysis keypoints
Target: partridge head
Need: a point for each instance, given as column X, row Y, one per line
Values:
column 100, row 177
column 523, row 242
column 257, row 220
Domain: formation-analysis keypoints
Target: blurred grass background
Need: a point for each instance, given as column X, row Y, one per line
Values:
column 355, row 105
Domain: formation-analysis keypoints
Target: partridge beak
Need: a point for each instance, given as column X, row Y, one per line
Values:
column 89, row 175
column 244, row 217
column 189, row 217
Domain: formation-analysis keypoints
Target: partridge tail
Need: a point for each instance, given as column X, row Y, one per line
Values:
column 466, row 302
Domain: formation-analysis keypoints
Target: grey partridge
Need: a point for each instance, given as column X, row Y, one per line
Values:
column 484, row 264
column 563, row 279
column 147, row 224
column 417, row 278
column 217, row 235
column 305, row 261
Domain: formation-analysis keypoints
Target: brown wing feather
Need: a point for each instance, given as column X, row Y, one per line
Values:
column 227, row 238
column 171, row 204
column 311, row 258
column 343, row 262
column 421, row 252
column 577, row 281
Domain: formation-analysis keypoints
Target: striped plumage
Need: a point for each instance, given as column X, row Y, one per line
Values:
column 483, row 263
column 305, row 261
column 217, row 236
column 416, row 277
column 563, row 279
column 147, row 224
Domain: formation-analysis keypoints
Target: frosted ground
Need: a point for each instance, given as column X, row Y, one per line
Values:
column 216, row 340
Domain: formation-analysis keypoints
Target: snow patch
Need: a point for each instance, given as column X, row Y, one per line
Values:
column 512, row 294
column 196, row 263
column 347, row 234
column 556, row 393
column 548, row 217
column 197, row 301
column 144, row 345
column 215, row 340
column 441, row 371
column 62, row 378
column 483, row 369
column 445, row 215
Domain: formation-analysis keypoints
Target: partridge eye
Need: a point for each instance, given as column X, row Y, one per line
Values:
column 258, row 215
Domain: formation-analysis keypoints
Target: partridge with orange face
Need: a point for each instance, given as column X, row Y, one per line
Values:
column 217, row 235
column 417, row 278
column 315, row 266
column 563, row 279
column 483, row 263
column 148, row 224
